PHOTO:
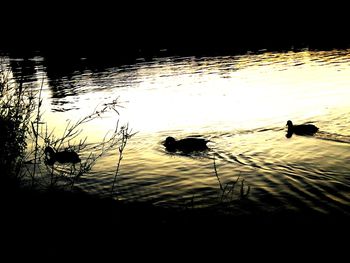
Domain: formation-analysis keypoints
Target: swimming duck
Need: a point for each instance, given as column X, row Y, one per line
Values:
column 303, row 129
column 61, row 157
column 185, row 145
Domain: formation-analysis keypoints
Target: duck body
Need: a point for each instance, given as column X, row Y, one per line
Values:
column 185, row 145
column 61, row 157
column 303, row 129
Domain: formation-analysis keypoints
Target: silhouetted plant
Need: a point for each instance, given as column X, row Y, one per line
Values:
column 228, row 189
column 125, row 134
column 244, row 194
column 68, row 174
column 21, row 121
column 35, row 129
column 16, row 107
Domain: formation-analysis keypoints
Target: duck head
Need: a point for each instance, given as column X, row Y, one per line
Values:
column 50, row 155
column 290, row 129
column 170, row 143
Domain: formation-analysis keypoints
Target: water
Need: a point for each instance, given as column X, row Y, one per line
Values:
column 240, row 103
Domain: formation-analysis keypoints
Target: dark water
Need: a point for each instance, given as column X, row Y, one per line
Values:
column 240, row 103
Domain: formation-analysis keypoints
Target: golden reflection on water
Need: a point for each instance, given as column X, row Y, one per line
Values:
column 251, row 94
column 215, row 94
column 255, row 89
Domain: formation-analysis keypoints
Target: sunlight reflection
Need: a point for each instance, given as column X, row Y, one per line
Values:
column 190, row 95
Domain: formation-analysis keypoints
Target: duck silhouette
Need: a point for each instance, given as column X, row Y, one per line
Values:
column 62, row 157
column 186, row 145
column 303, row 129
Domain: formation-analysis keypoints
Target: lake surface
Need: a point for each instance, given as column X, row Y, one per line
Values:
column 241, row 103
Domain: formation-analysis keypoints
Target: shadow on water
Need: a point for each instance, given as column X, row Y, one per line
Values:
column 23, row 69
column 60, row 72
column 192, row 154
column 62, row 66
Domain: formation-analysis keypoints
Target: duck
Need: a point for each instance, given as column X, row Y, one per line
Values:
column 189, row 144
column 303, row 129
column 62, row 157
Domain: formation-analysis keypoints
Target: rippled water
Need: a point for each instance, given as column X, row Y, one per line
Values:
column 240, row 103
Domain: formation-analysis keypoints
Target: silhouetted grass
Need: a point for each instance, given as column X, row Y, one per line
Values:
column 17, row 104
column 227, row 190
column 125, row 134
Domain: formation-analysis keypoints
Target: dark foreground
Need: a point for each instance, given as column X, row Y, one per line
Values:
column 65, row 223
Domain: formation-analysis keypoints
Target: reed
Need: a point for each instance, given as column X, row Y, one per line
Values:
column 17, row 104
column 227, row 190
column 125, row 134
